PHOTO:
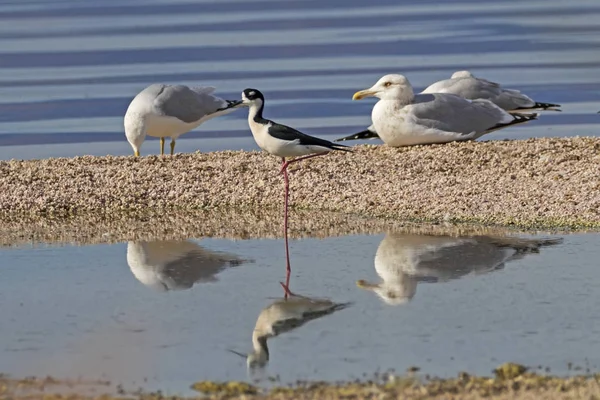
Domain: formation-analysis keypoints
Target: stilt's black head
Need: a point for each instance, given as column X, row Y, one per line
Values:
column 252, row 96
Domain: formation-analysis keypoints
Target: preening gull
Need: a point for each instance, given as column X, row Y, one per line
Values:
column 402, row 118
column 176, row 264
column 170, row 111
column 465, row 84
column 282, row 141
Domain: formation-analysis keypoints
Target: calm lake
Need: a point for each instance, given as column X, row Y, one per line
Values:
column 165, row 314
column 69, row 68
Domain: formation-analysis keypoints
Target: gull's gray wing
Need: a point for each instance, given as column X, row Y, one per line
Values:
column 451, row 113
column 185, row 103
column 470, row 88
column 477, row 88
column 467, row 257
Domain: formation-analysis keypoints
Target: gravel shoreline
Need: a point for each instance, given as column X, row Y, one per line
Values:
column 543, row 183
column 234, row 225
column 510, row 381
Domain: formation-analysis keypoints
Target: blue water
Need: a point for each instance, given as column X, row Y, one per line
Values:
column 115, row 312
column 68, row 69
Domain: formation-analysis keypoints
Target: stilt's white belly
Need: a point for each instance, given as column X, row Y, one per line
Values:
column 278, row 147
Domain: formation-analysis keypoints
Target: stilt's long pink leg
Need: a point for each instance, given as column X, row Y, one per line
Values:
column 286, row 289
column 283, row 170
column 285, row 225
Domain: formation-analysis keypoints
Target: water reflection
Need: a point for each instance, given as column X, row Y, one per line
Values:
column 404, row 260
column 282, row 316
column 176, row 264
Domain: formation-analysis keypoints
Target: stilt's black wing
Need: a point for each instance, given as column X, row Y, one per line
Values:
column 287, row 133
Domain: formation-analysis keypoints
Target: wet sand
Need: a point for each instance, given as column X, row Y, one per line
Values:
column 227, row 224
column 536, row 183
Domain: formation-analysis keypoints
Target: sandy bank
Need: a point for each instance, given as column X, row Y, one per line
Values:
column 511, row 381
column 544, row 183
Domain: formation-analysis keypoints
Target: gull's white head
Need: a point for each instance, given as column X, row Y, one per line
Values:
column 461, row 74
column 389, row 87
column 394, row 293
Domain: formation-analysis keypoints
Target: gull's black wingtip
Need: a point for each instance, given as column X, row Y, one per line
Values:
column 366, row 134
column 341, row 147
column 230, row 104
column 548, row 106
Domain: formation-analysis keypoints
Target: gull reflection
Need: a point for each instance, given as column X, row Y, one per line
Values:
column 403, row 260
column 283, row 316
column 176, row 264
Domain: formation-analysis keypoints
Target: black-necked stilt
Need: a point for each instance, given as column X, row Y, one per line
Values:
column 170, row 111
column 283, row 316
column 283, row 141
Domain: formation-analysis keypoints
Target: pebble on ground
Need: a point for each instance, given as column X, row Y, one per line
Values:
column 545, row 182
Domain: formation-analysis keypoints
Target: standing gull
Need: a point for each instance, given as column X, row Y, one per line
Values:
column 282, row 141
column 402, row 118
column 170, row 111
column 466, row 85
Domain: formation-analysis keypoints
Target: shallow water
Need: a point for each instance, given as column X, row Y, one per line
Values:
column 132, row 313
column 69, row 69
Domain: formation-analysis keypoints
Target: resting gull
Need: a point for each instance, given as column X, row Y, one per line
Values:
column 404, row 260
column 170, row 111
column 402, row 118
column 465, row 84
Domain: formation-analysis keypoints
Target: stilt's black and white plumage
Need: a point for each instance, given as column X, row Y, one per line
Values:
column 283, row 141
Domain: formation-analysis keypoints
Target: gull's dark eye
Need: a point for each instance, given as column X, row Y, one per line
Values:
column 387, row 84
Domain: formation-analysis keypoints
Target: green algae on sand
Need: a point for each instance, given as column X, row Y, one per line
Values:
column 511, row 381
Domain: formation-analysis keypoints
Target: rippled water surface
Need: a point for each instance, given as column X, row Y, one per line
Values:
column 68, row 69
column 166, row 313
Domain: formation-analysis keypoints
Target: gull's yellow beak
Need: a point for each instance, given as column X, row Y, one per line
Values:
column 363, row 93
column 361, row 283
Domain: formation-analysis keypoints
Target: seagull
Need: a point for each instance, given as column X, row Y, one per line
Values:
column 283, row 141
column 466, row 85
column 284, row 316
column 170, row 111
column 402, row 118
column 404, row 260
column 166, row 265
